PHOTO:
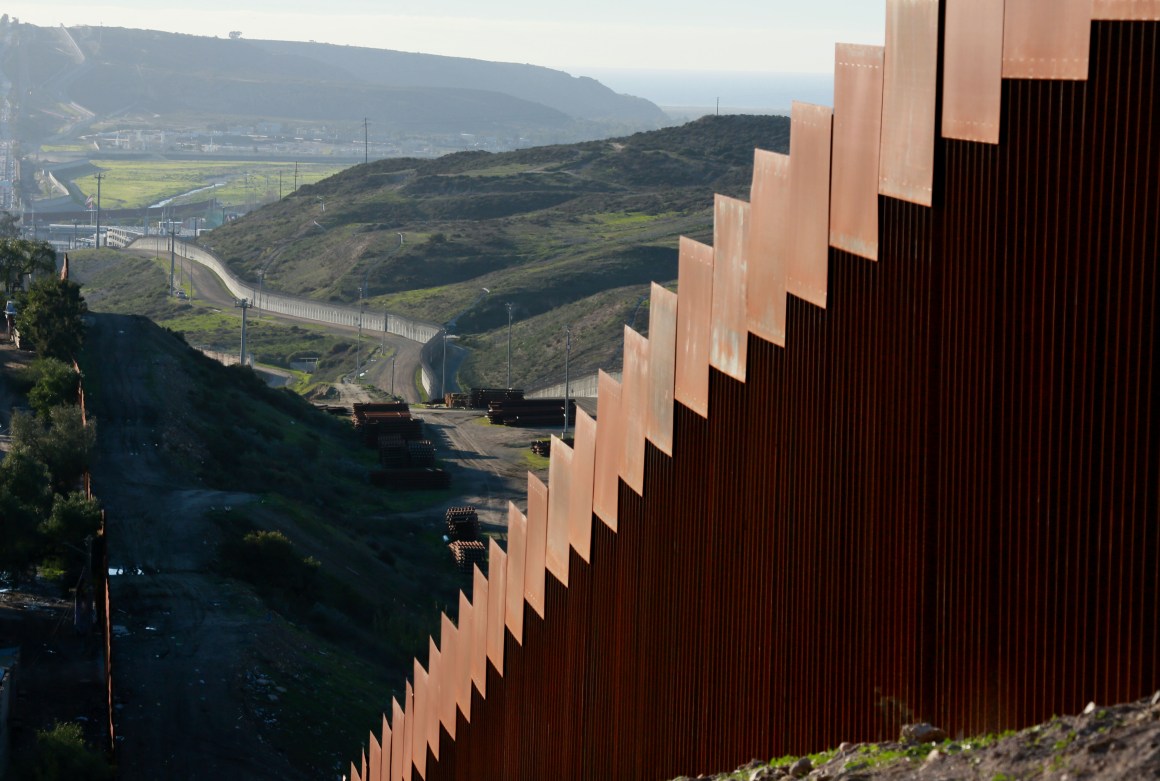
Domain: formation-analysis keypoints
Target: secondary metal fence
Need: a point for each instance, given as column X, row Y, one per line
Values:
column 915, row 478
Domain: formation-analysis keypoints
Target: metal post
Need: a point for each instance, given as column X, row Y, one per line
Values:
column 358, row 344
column 244, row 304
column 173, row 257
column 509, row 306
column 97, row 235
column 443, row 382
column 567, row 355
column 393, row 375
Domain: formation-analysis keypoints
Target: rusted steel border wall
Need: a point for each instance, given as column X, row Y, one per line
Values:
column 939, row 500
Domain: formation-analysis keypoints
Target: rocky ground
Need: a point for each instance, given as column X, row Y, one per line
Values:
column 1102, row 743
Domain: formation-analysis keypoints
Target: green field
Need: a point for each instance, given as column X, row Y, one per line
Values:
column 137, row 184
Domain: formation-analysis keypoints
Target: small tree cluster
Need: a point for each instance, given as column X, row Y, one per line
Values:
column 43, row 514
column 52, row 317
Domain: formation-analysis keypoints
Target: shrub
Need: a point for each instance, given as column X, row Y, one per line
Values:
column 63, row 755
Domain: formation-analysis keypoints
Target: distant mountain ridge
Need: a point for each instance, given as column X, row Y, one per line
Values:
column 145, row 73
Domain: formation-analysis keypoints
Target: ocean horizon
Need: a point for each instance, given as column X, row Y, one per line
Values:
column 761, row 92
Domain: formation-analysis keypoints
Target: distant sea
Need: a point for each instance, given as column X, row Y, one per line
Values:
column 700, row 91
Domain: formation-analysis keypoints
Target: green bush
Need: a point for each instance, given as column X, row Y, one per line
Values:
column 56, row 384
column 268, row 560
column 63, row 755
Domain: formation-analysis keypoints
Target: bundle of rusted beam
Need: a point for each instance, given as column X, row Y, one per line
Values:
column 468, row 554
column 530, row 412
column 462, row 523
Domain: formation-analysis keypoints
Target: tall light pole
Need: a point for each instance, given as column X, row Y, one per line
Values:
column 567, row 355
column 393, row 374
column 173, row 259
column 97, row 235
column 509, row 305
column 244, row 304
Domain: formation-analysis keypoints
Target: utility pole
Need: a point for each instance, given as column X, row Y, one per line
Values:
column 567, row 355
column 358, row 344
column 295, row 176
column 393, row 375
column 509, row 306
column 366, row 143
column 97, row 236
column 173, row 256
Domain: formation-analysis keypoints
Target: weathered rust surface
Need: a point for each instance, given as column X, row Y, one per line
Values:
column 449, row 674
column 609, row 444
column 421, row 722
column 537, row 544
column 408, row 757
column 388, row 742
column 811, row 129
column 559, row 503
column 1140, row 10
column 397, row 744
column 634, row 401
column 769, row 243
column 1034, row 48
column 662, row 357
column 517, row 549
column 496, row 601
column 939, row 499
column 857, row 139
column 465, row 650
column 972, row 70
column 374, row 759
column 906, row 167
column 434, row 708
column 480, row 601
column 694, row 327
column 729, row 317
column 583, row 466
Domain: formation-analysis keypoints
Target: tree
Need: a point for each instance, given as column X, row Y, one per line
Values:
column 21, row 257
column 73, row 518
column 56, row 384
column 64, row 445
column 25, row 498
column 52, row 317
column 9, row 226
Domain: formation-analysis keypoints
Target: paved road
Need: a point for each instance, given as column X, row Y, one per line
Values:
column 207, row 287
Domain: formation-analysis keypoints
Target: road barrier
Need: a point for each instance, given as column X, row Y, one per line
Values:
column 305, row 308
column 891, row 459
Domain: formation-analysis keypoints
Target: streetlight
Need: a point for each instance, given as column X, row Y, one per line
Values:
column 509, row 306
column 443, row 382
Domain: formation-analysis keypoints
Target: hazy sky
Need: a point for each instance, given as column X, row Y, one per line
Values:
column 725, row 35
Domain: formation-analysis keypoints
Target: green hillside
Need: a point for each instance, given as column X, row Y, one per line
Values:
column 571, row 235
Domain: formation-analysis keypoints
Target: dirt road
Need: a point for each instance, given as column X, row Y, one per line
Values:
column 184, row 636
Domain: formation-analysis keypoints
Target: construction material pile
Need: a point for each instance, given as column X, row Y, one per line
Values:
column 375, row 419
column 407, row 460
column 462, row 523
column 480, row 398
column 468, row 554
column 530, row 412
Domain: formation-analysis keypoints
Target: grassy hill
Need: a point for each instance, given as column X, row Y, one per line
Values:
column 71, row 80
column 570, row 235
